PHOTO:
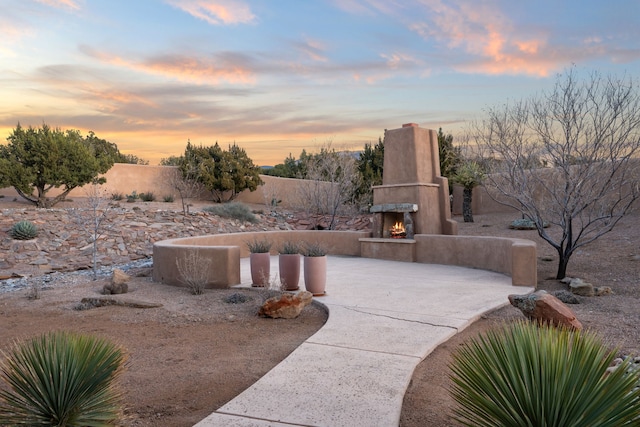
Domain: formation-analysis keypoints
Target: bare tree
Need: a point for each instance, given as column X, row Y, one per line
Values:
column 588, row 131
column 93, row 217
column 185, row 184
column 330, row 185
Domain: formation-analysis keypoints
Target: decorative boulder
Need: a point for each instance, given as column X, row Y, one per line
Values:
column 287, row 306
column 545, row 308
column 119, row 283
column 582, row 288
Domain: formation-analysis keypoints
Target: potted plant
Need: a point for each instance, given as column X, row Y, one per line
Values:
column 260, row 261
column 315, row 268
column 289, row 265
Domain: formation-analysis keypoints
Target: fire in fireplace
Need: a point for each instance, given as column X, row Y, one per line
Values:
column 398, row 231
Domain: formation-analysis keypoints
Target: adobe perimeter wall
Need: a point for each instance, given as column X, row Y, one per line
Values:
column 126, row 178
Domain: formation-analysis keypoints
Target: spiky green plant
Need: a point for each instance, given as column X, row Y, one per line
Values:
column 528, row 375
column 61, row 379
column 23, row 230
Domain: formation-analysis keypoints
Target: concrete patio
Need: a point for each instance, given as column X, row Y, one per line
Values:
column 384, row 318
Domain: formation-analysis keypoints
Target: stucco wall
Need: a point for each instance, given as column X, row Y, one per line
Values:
column 126, row 178
column 513, row 257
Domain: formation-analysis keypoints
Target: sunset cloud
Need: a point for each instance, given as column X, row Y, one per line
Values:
column 61, row 4
column 216, row 12
column 313, row 49
column 215, row 69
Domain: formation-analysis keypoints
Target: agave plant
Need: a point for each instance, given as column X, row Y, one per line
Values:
column 23, row 230
column 528, row 375
column 61, row 379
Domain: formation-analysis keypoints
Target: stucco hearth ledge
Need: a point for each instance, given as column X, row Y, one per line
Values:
column 513, row 257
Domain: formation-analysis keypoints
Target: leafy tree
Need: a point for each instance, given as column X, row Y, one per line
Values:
column 291, row 168
column 224, row 173
column 369, row 166
column 450, row 156
column 468, row 174
column 37, row 160
column 589, row 130
column 171, row 161
column 131, row 159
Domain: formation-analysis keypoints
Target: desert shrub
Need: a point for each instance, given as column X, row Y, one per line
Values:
column 147, row 197
column 168, row 198
column 313, row 249
column 117, row 196
column 528, row 375
column 23, row 230
column 289, row 247
column 259, row 246
column 193, row 268
column 132, row 197
column 61, row 379
column 233, row 210
column 525, row 224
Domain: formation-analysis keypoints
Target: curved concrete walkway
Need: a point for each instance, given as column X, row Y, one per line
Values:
column 384, row 318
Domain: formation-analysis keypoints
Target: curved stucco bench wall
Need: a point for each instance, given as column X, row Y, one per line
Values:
column 513, row 257
column 225, row 251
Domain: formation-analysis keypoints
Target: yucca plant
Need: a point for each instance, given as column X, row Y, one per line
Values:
column 528, row 375
column 23, row 230
column 61, row 379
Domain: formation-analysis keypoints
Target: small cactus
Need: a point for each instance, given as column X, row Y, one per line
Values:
column 23, row 230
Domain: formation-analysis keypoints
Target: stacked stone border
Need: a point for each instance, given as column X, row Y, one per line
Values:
column 513, row 257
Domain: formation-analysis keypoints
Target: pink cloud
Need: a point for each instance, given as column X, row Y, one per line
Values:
column 314, row 49
column 191, row 69
column 216, row 12
column 61, row 4
column 482, row 31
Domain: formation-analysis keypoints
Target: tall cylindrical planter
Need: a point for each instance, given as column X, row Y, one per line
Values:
column 289, row 265
column 260, row 268
column 315, row 274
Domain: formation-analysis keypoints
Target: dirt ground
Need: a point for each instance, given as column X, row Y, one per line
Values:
column 195, row 353
column 613, row 260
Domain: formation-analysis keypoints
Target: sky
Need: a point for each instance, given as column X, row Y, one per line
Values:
column 279, row 76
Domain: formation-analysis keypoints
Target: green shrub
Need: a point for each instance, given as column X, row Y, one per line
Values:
column 259, row 246
column 525, row 224
column 290, row 247
column 233, row 210
column 528, row 375
column 314, row 249
column 61, row 379
column 132, row 197
column 168, row 198
column 23, row 230
column 147, row 197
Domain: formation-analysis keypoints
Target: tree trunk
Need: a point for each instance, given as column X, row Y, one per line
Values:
column 466, row 204
column 563, row 260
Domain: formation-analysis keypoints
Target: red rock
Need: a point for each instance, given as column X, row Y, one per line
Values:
column 288, row 306
column 545, row 308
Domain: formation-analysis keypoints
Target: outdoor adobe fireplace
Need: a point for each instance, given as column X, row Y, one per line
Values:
column 413, row 198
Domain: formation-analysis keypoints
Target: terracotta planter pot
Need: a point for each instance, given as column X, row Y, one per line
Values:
column 315, row 274
column 289, row 271
column 260, row 268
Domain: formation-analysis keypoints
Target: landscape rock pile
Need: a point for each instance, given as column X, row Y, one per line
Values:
column 65, row 244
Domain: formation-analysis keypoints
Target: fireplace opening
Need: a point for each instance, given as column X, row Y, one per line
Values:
column 398, row 231
column 397, row 225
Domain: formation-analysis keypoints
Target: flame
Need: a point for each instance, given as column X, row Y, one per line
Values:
column 398, row 230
